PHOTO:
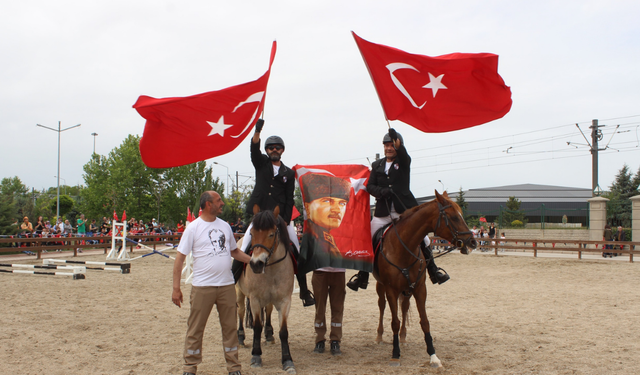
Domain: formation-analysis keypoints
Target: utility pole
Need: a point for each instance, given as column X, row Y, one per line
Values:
column 596, row 135
column 236, row 180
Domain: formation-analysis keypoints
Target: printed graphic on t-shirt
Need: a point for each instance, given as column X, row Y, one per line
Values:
column 218, row 241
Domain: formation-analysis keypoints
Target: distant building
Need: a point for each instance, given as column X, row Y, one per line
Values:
column 540, row 203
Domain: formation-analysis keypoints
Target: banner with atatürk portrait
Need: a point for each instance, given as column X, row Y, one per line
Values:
column 337, row 230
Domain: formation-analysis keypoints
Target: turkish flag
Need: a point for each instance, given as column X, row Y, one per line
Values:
column 350, row 234
column 436, row 94
column 186, row 130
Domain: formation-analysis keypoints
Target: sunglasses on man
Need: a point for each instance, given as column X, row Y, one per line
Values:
column 275, row 147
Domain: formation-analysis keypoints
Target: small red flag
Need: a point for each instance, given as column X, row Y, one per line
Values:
column 115, row 215
column 295, row 213
column 186, row 130
column 189, row 215
column 199, row 213
column 436, row 94
column 124, row 215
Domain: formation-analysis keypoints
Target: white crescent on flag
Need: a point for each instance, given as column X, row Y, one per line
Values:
column 256, row 97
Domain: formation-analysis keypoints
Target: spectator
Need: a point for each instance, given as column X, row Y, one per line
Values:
column 82, row 226
column 105, row 226
column 607, row 236
column 492, row 231
column 620, row 236
column 502, row 236
column 93, row 229
column 239, row 226
column 26, row 228
column 180, row 227
column 39, row 226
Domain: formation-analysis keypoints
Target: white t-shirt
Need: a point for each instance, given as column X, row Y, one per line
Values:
column 211, row 244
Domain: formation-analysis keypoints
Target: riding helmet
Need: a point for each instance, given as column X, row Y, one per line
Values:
column 273, row 140
column 387, row 138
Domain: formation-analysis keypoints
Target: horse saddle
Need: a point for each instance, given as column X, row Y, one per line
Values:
column 377, row 243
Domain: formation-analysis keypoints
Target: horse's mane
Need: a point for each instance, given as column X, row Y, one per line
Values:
column 265, row 220
column 408, row 213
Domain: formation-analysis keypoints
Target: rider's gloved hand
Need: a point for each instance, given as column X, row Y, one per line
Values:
column 393, row 134
column 259, row 125
column 386, row 192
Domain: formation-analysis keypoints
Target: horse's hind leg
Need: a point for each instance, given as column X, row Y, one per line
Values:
column 405, row 302
column 421, row 298
column 382, row 302
column 268, row 328
column 241, row 309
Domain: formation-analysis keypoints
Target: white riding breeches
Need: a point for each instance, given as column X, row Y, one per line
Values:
column 379, row 222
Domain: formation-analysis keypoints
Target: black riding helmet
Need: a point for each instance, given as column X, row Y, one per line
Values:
column 274, row 140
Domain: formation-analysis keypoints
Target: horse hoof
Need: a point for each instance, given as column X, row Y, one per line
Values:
column 270, row 342
column 288, row 367
column 394, row 362
column 435, row 361
column 379, row 340
column 256, row 361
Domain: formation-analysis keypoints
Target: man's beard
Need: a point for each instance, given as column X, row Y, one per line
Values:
column 274, row 156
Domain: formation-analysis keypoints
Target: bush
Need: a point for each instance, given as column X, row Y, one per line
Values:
column 517, row 223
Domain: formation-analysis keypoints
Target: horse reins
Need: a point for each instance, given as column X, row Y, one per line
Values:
column 271, row 250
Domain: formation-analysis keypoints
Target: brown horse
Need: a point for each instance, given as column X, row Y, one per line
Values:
column 400, row 267
column 268, row 282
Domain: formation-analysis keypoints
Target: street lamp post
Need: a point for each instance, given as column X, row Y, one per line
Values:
column 65, row 184
column 222, row 165
column 441, row 184
column 94, row 141
column 59, row 131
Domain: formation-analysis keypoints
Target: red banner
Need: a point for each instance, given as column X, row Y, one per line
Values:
column 436, row 94
column 337, row 231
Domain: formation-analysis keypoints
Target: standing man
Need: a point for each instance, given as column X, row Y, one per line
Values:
column 82, row 228
column 389, row 183
column 275, row 184
column 212, row 244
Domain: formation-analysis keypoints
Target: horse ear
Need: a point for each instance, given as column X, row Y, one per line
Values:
column 445, row 194
column 439, row 196
column 276, row 211
column 256, row 209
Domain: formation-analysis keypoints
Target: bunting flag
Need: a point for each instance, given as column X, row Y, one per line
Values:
column 436, row 94
column 294, row 213
column 185, row 130
column 115, row 215
column 337, row 232
column 189, row 215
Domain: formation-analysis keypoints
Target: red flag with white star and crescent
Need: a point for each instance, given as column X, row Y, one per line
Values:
column 436, row 94
column 185, row 130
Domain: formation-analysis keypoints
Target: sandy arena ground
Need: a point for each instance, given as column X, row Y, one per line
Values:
column 497, row 315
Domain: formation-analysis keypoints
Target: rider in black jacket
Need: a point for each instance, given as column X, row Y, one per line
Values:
column 389, row 183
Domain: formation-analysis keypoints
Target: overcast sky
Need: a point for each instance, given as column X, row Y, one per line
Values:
column 86, row 62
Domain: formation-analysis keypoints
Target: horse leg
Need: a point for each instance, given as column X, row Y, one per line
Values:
column 256, row 352
column 382, row 302
column 392, row 298
column 287, row 361
column 268, row 328
column 405, row 302
column 421, row 298
column 241, row 309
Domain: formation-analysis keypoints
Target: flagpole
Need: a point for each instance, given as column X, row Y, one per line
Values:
column 371, row 75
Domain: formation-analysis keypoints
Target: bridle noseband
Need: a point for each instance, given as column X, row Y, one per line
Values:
column 456, row 241
column 273, row 248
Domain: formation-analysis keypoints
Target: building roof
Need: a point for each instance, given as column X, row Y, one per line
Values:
column 526, row 193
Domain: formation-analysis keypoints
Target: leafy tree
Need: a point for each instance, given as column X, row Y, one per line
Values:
column 513, row 212
column 96, row 196
column 622, row 188
column 7, row 216
column 18, row 197
column 66, row 204
column 235, row 204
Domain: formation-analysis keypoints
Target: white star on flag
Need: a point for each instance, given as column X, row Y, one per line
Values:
column 435, row 84
column 218, row 127
column 357, row 184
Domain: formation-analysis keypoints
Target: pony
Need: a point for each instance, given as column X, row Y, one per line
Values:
column 267, row 283
column 400, row 266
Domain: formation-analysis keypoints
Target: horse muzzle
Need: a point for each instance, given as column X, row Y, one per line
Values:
column 257, row 266
column 469, row 243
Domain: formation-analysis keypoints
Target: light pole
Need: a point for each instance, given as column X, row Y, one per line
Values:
column 222, row 165
column 59, row 131
column 442, row 185
column 94, row 141
column 65, row 184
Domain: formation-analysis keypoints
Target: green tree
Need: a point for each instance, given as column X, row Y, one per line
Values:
column 18, row 197
column 66, row 204
column 513, row 212
column 623, row 187
column 235, row 204
column 96, row 196
column 462, row 203
column 7, row 216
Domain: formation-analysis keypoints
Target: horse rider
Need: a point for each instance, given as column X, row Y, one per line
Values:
column 275, row 184
column 389, row 183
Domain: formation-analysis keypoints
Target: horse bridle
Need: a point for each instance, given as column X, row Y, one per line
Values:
column 271, row 250
column 456, row 241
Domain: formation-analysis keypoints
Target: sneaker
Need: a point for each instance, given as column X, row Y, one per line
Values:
column 335, row 347
column 319, row 347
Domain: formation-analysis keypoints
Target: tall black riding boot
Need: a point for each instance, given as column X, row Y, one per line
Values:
column 359, row 280
column 305, row 294
column 436, row 274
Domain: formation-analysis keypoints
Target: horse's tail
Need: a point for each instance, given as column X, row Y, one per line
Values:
column 248, row 320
